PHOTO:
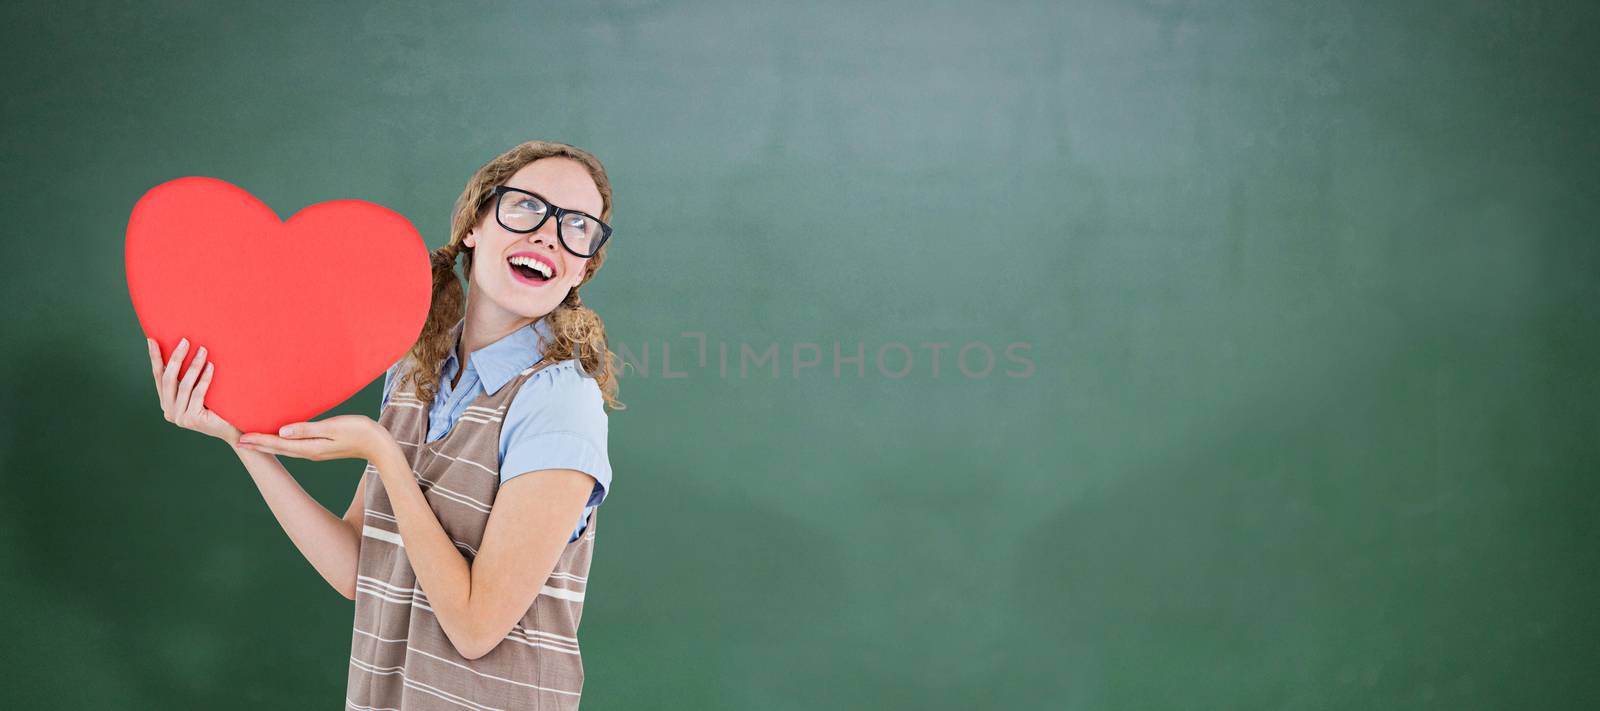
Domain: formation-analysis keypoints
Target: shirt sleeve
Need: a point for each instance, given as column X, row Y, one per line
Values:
column 557, row 420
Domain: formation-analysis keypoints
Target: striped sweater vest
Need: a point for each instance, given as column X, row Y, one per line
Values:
column 400, row 657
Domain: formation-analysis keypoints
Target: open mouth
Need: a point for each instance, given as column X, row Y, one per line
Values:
column 529, row 271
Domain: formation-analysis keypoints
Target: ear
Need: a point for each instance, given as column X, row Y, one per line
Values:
column 471, row 239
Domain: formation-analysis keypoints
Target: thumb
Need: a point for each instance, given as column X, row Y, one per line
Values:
column 298, row 429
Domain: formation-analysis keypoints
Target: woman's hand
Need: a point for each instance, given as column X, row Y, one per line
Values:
column 183, row 401
column 341, row 437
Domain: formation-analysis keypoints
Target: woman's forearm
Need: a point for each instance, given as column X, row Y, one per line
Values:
column 444, row 575
column 327, row 542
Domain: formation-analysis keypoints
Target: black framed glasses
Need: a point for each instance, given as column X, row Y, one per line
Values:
column 521, row 211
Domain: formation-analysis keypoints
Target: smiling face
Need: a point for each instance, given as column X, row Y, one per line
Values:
column 562, row 181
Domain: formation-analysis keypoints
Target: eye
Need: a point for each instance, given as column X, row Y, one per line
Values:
column 578, row 222
column 530, row 205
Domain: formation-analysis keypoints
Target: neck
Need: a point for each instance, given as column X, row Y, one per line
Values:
column 484, row 326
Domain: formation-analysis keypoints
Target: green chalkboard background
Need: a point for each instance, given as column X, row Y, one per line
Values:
column 1294, row 312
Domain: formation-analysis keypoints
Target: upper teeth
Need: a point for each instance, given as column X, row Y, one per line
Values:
column 530, row 262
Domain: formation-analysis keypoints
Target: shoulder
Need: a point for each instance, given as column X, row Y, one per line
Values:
column 560, row 396
column 557, row 420
column 390, row 378
column 394, row 371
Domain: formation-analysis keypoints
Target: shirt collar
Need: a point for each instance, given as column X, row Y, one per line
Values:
column 499, row 362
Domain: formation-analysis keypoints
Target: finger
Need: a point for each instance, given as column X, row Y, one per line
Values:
column 197, row 400
column 260, row 439
column 155, row 364
column 169, row 377
column 186, row 386
column 302, row 430
column 155, row 356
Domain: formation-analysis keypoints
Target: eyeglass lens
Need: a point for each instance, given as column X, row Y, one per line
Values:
column 519, row 211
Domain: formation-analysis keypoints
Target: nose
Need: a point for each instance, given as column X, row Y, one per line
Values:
column 545, row 235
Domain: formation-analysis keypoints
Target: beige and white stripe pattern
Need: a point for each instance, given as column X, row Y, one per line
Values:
column 400, row 659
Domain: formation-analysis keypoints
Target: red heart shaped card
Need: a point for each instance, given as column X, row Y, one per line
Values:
column 297, row 315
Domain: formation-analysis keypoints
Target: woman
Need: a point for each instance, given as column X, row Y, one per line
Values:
column 459, row 548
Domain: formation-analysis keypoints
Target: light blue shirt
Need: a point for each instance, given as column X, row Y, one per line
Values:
column 557, row 420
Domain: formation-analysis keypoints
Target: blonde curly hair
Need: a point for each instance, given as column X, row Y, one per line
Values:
column 577, row 330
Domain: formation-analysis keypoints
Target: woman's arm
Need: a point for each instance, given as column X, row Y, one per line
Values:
column 529, row 525
column 330, row 543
